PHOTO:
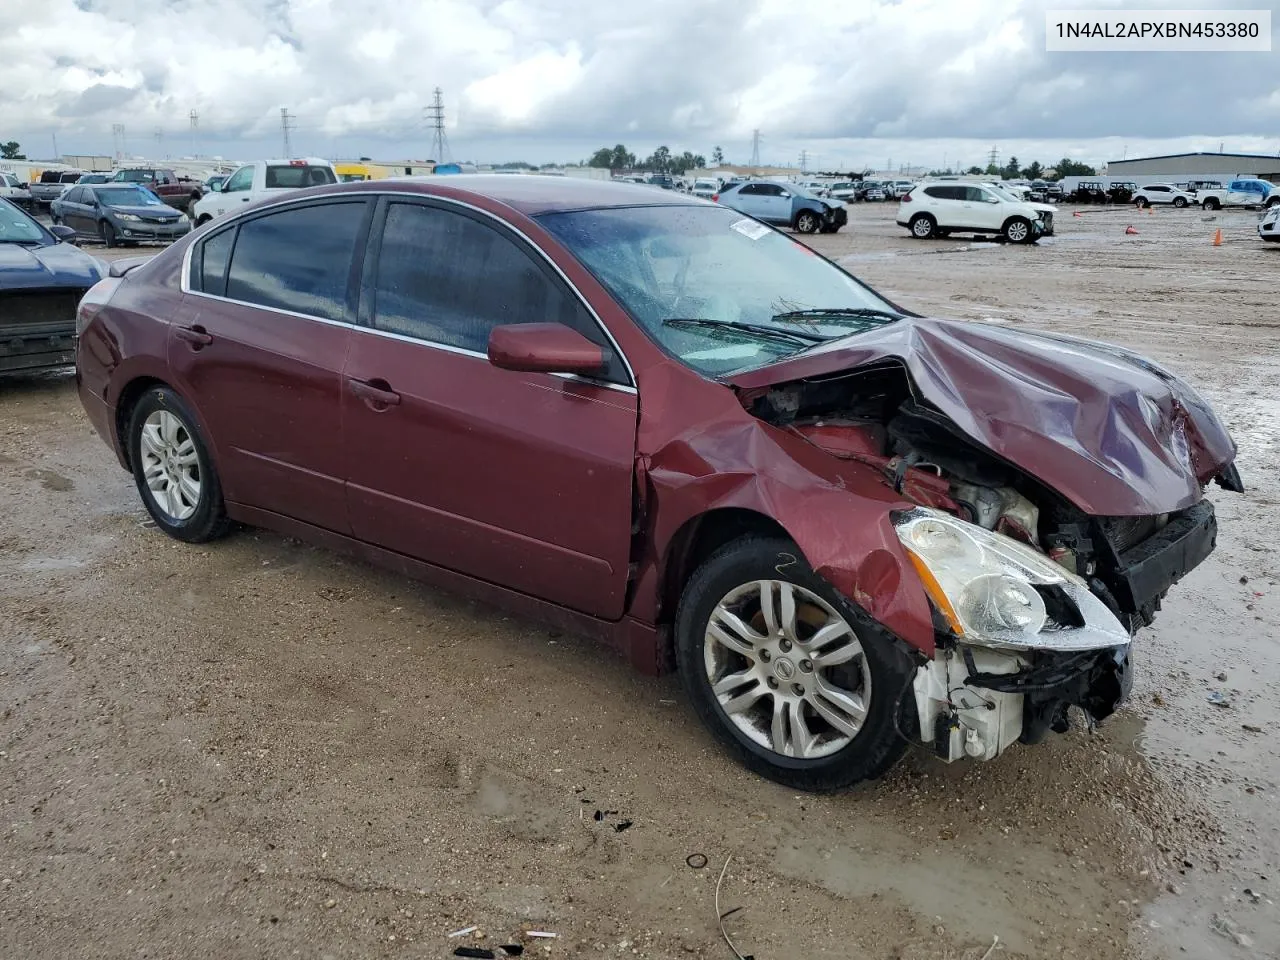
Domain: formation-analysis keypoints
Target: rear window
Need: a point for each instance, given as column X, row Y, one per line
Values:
column 51, row 176
column 295, row 177
column 134, row 176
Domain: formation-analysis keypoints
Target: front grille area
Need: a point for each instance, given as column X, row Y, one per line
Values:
column 1126, row 532
column 27, row 308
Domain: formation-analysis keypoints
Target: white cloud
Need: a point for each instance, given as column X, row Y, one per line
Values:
column 546, row 78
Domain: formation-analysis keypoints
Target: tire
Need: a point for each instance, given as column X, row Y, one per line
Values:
column 108, row 235
column 807, row 222
column 1179, row 202
column 56, row 220
column 1018, row 230
column 1141, row 202
column 1272, row 202
column 873, row 674
column 166, row 449
column 204, row 218
column 1211, row 203
column 923, row 226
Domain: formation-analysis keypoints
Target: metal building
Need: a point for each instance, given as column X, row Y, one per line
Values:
column 1198, row 166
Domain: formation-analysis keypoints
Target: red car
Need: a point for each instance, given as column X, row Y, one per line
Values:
column 643, row 416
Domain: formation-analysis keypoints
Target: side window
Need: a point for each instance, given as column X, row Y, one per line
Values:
column 242, row 179
column 209, row 266
column 447, row 278
column 297, row 259
column 975, row 194
column 945, row 193
column 749, row 190
column 73, row 195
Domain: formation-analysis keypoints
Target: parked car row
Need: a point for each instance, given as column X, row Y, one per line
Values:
column 454, row 373
column 118, row 213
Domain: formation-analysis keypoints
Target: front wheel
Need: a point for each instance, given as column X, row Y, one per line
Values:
column 1179, row 202
column 1141, row 202
column 807, row 222
column 790, row 677
column 174, row 470
column 108, row 235
column 1018, row 230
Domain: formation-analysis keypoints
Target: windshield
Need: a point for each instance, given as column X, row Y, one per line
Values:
column 128, row 197
column 297, row 175
column 726, row 280
column 133, row 176
column 17, row 227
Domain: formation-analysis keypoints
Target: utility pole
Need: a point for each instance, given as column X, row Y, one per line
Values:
column 993, row 157
column 435, row 114
column 195, row 123
column 755, row 148
column 159, row 135
column 55, row 146
column 286, row 124
column 117, row 140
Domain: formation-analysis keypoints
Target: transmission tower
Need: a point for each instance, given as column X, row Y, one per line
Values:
column 195, row 124
column 287, row 122
column 993, row 157
column 755, row 148
column 804, row 161
column 435, row 116
column 117, row 140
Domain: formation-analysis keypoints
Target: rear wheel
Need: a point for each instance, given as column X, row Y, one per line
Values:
column 1211, row 203
column 923, row 226
column 796, row 682
column 807, row 222
column 173, row 469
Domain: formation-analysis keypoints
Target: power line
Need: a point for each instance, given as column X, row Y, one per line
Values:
column 286, row 124
column 435, row 114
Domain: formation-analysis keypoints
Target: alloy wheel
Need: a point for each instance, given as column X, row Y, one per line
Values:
column 170, row 465
column 1017, row 232
column 787, row 669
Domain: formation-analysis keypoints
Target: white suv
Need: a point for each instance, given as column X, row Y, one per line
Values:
column 937, row 209
column 1154, row 193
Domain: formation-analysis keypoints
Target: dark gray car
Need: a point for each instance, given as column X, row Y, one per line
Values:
column 119, row 213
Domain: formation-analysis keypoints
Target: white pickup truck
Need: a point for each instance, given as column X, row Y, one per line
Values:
column 1246, row 192
column 261, row 179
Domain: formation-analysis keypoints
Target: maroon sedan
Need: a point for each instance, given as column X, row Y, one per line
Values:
column 643, row 416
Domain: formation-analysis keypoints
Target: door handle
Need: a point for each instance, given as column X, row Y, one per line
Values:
column 196, row 336
column 375, row 393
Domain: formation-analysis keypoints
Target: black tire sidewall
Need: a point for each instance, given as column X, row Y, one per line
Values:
column 875, row 748
column 108, row 235
column 209, row 519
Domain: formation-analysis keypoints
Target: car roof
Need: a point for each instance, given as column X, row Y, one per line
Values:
column 532, row 194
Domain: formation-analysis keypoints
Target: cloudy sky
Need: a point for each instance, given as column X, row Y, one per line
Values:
column 854, row 82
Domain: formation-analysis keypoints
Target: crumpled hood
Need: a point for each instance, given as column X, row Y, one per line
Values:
column 24, row 267
column 1111, row 431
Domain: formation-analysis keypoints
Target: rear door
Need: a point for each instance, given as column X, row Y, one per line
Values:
column 774, row 203
column 747, row 198
column 519, row 479
column 260, row 348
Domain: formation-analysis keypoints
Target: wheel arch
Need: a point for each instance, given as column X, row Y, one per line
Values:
column 128, row 399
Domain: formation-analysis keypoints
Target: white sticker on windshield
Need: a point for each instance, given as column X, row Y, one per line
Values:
column 749, row 228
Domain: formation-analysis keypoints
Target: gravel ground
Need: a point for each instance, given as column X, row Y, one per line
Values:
column 257, row 749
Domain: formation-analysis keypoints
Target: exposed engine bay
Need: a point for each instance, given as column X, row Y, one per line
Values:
column 1010, row 662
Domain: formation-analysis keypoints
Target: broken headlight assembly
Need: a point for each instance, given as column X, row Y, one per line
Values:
column 996, row 592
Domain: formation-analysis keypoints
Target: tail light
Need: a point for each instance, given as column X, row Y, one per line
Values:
column 97, row 297
column 906, row 198
column 715, row 197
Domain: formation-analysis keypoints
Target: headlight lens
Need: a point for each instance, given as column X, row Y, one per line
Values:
column 991, row 588
column 127, row 216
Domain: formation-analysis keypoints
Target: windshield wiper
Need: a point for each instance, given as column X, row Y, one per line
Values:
column 819, row 312
column 759, row 329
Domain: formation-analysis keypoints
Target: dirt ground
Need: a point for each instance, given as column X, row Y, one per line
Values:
column 257, row 749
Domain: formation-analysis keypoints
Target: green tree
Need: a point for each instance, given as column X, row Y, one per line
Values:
column 11, row 150
column 973, row 170
column 617, row 158
column 1011, row 169
column 717, row 157
column 659, row 161
column 1033, row 170
column 991, row 171
column 1073, row 168
column 602, row 158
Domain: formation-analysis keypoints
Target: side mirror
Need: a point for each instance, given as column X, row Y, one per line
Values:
column 544, row 348
column 784, row 195
column 64, row 233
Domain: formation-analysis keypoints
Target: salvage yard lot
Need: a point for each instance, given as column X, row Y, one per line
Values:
column 255, row 747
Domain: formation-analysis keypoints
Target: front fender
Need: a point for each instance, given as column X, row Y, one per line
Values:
column 836, row 511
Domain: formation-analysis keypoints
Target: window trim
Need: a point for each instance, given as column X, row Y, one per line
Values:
column 184, row 275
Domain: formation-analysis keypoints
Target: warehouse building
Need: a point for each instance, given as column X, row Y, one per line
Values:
column 1195, row 166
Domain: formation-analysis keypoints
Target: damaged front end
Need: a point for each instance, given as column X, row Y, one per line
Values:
column 1059, row 492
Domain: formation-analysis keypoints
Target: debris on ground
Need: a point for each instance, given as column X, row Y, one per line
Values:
column 720, row 916
column 1218, row 699
column 1250, row 727
column 479, row 953
column 1224, row 926
column 991, row 949
column 464, row 931
column 696, row 860
column 1253, row 895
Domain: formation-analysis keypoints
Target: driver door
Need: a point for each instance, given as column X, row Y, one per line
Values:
column 236, row 190
column 985, row 208
column 774, row 203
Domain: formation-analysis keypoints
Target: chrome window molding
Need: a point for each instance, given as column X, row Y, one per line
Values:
column 184, row 281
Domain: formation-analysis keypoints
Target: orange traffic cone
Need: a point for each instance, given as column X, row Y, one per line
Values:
column 1077, row 213
column 1217, row 238
column 1150, row 210
column 1129, row 231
